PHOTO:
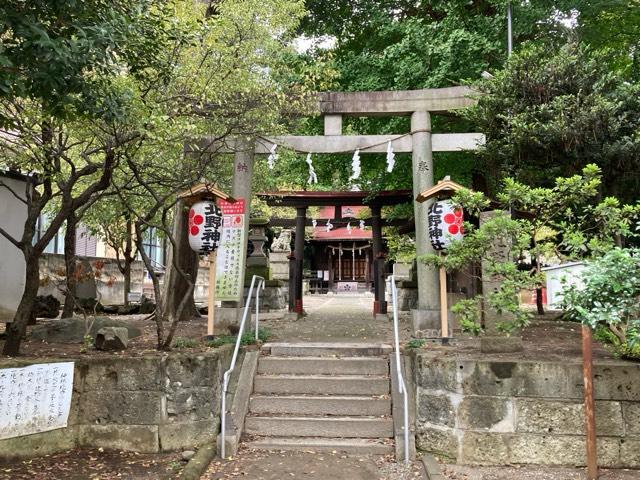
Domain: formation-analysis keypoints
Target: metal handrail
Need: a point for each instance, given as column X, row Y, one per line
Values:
column 401, row 385
column 227, row 374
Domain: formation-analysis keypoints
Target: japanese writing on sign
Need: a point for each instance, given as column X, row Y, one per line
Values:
column 205, row 225
column 35, row 399
column 231, row 253
column 445, row 224
column 212, row 224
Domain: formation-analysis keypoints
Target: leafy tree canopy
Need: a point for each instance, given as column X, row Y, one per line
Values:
column 391, row 45
column 551, row 112
column 67, row 53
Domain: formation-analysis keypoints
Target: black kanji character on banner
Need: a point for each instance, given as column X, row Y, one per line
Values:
column 434, row 224
column 211, row 236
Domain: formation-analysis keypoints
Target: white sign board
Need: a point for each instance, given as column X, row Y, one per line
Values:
column 231, row 252
column 35, row 399
column 560, row 275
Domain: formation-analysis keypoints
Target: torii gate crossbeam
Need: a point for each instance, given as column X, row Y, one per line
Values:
column 420, row 141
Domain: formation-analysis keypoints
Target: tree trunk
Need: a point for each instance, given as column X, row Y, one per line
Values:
column 175, row 286
column 126, row 271
column 159, row 315
column 17, row 328
column 70, row 265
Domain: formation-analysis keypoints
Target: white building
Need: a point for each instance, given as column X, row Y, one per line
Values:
column 13, row 213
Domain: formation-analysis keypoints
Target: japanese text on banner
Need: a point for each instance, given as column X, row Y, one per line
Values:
column 231, row 253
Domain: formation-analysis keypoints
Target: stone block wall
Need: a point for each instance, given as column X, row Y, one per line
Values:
column 145, row 404
column 109, row 285
column 479, row 411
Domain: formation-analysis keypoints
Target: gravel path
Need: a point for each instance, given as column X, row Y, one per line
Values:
column 337, row 318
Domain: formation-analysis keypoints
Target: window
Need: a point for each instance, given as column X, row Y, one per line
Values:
column 56, row 244
column 154, row 248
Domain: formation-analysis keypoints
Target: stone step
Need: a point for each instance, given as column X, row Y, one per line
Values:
column 321, row 385
column 323, row 366
column 322, row 349
column 349, row 427
column 353, row 446
column 320, row 405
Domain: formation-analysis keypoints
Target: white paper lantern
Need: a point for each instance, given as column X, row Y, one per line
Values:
column 445, row 224
column 205, row 227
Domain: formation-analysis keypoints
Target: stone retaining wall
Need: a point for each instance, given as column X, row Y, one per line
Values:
column 109, row 285
column 146, row 404
column 495, row 412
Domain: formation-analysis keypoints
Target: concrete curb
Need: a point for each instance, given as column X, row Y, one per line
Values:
column 198, row 464
column 431, row 467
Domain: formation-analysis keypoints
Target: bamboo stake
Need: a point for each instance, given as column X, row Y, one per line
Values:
column 589, row 404
column 212, row 292
column 444, row 321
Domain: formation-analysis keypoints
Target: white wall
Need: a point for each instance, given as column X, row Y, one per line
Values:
column 12, row 216
column 558, row 276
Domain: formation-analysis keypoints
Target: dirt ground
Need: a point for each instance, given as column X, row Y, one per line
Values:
column 544, row 339
column 142, row 345
column 95, row 464
column 336, row 319
column 98, row 464
column 257, row 465
column 457, row 472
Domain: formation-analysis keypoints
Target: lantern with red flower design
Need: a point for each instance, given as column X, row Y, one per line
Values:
column 445, row 224
column 205, row 227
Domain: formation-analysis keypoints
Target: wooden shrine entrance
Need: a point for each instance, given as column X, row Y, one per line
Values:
column 343, row 259
column 352, row 264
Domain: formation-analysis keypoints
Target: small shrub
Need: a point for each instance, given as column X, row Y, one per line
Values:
column 182, row 342
column 609, row 300
column 248, row 338
column 87, row 341
column 416, row 343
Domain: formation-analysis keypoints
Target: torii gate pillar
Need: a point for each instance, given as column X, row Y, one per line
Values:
column 420, row 104
column 427, row 315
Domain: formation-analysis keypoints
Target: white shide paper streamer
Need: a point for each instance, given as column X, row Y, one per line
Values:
column 390, row 157
column 313, row 178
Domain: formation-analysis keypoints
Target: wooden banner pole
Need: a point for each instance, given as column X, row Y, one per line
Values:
column 212, row 293
column 589, row 404
column 444, row 321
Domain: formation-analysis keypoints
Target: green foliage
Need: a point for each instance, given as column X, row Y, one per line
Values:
column 552, row 111
column 247, row 338
column 402, row 248
column 561, row 222
column 416, row 343
column 184, row 342
column 69, row 55
column 87, row 342
column 608, row 300
column 469, row 312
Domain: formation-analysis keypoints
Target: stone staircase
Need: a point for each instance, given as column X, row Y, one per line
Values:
column 322, row 397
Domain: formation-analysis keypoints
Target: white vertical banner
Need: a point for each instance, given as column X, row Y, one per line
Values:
column 35, row 399
column 230, row 263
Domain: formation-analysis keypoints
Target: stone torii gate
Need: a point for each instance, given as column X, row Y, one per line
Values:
column 420, row 142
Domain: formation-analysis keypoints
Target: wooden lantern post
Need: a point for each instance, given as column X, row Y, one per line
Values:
column 589, row 403
column 444, row 320
column 213, row 256
column 445, row 188
column 201, row 192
